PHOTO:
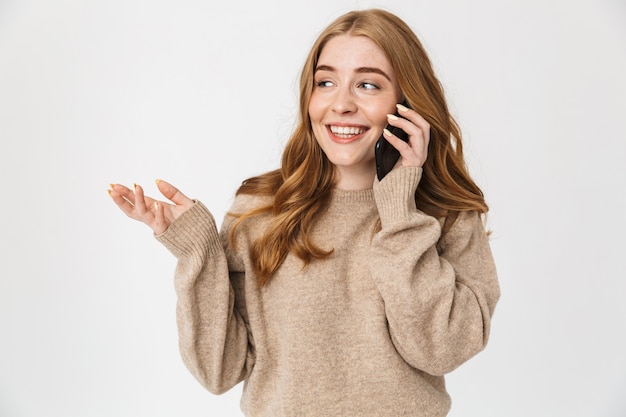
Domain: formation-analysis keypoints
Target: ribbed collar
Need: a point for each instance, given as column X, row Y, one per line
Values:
column 358, row 196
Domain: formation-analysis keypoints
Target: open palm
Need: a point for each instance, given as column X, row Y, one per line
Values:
column 156, row 214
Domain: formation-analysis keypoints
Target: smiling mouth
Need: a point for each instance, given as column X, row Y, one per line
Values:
column 346, row 132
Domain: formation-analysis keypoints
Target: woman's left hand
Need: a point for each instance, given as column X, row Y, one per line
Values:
column 413, row 153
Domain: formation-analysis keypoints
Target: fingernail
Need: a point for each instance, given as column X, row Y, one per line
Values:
column 134, row 187
column 392, row 117
column 401, row 107
column 156, row 205
column 386, row 132
column 157, row 181
column 112, row 185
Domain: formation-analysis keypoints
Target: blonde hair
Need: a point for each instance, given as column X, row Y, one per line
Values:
column 302, row 186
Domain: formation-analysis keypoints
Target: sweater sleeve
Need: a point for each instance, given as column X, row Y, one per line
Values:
column 212, row 333
column 439, row 291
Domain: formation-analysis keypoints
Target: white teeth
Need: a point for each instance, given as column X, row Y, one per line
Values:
column 346, row 130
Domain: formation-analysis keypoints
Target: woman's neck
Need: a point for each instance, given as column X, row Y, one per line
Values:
column 354, row 179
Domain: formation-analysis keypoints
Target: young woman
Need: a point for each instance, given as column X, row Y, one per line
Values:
column 328, row 291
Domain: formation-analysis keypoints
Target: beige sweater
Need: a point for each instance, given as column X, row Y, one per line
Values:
column 369, row 331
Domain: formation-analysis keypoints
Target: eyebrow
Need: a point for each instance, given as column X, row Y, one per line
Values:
column 360, row 70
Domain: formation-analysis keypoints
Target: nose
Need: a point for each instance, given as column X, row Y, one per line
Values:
column 344, row 101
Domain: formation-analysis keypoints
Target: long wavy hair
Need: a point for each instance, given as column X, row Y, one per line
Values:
column 302, row 186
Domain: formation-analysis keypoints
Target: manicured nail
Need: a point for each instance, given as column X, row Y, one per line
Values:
column 134, row 188
column 386, row 132
column 157, row 181
column 401, row 107
column 392, row 117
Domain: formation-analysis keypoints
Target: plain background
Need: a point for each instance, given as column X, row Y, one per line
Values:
column 203, row 94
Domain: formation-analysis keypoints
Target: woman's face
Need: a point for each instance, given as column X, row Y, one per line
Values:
column 355, row 88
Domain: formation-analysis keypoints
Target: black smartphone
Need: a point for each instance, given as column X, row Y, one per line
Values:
column 386, row 154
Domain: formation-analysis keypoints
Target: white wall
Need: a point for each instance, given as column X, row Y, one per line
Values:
column 100, row 91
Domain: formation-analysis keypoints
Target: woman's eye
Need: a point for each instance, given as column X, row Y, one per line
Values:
column 369, row 86
column 324, row 83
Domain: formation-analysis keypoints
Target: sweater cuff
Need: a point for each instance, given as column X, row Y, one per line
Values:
column 193, row 234
column 395, row 194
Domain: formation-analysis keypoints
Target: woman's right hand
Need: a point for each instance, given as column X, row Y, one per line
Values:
column 156, row 214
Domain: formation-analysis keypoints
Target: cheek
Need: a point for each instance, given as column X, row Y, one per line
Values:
column 378, row 115
column 314, row 109
column 315, row 118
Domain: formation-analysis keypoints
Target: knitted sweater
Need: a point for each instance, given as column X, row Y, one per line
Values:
column 368, row 331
